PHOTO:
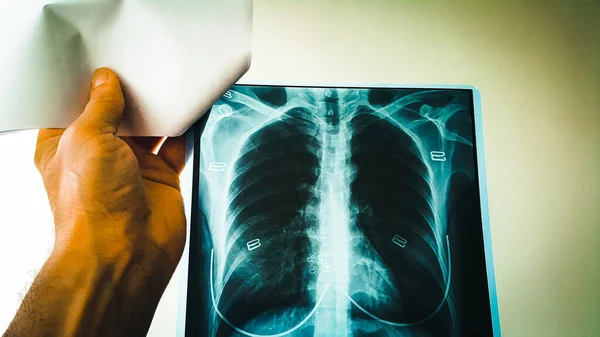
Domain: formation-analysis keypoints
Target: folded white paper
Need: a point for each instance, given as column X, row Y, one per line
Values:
column 175, row 58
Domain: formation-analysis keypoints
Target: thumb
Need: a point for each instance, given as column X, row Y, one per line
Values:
column 104, row 110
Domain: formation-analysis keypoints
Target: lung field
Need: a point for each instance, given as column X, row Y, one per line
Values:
column 270, row 217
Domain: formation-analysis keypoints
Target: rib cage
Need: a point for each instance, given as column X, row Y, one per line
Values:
column 400, row 282
column 292, row 150
column 264, row 281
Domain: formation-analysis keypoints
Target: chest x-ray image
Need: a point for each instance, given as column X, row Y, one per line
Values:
column 338, row 212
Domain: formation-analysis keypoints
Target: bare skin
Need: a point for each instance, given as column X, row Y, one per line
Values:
column 119, row 220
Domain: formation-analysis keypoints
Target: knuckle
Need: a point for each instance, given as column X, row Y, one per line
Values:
column 114, row 102
column 72, row 134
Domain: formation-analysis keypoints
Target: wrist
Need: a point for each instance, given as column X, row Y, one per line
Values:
column 92, row 295
column 120, row 262
column 114, row 247
column 68, row 297
column 80, row 267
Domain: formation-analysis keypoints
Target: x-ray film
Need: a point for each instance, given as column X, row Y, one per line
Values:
column 326, row 212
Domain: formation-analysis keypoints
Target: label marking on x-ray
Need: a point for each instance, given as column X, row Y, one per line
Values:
column 228, row 94
column 217, row 166
column 438, row 155
column 316, row 269
column 318, row 263
column 399, row 241
column 317, row 259
column 253, row 244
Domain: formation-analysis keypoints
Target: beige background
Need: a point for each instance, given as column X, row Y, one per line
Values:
column 537, row 65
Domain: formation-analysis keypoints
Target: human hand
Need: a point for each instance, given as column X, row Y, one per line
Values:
column 119, row 223
column 111, row 196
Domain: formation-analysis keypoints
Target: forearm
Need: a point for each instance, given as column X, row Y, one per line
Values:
column 74, row 295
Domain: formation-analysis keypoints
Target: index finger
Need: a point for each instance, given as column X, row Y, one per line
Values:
column 45, row 146
column 45, row 134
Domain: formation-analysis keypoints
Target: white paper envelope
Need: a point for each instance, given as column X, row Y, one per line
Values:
column 175, row 58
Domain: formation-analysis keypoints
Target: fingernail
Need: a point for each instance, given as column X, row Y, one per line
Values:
column 101, row 76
